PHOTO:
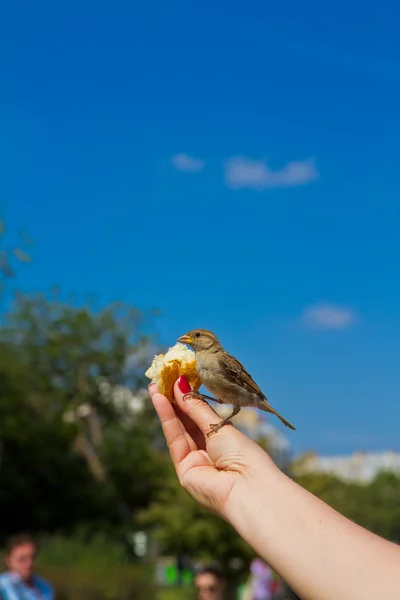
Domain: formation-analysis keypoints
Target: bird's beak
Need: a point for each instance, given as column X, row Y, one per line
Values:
column 186, row 339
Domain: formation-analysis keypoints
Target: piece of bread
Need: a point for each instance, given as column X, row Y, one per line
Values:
column 167, row 368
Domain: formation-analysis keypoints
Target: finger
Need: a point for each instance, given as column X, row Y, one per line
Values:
column 193, row 433
column 152, row 389
column 196, row 409
column 194, row 460
column 174, row 432
column 192, row 429
column 228, row 446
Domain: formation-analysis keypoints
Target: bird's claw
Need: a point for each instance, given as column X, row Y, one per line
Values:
column 193, row 394
column 217, row 426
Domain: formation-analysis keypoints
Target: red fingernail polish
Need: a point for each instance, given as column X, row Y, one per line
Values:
column 184, row 385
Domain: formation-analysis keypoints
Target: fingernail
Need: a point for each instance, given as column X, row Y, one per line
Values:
column 184, row 385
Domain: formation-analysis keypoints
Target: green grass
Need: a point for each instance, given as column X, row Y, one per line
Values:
column 175, row 593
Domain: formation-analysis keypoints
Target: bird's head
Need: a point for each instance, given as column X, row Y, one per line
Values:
column 200, row 339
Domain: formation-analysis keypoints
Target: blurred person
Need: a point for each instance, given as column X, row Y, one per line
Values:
column 210, row 584
column 261, row 580
column 284, row 593
column 20, row 582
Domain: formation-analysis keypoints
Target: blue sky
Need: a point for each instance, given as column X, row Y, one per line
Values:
column 236, row 165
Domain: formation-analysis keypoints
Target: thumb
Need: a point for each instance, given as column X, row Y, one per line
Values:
column 229, row 448
column 199, row 411
column 225, row 443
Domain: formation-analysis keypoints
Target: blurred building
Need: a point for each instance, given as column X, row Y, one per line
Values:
column 359, row 467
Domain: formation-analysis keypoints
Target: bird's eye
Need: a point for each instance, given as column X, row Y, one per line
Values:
column 197, row 334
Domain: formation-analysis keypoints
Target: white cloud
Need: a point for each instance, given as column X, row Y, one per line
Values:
column 184, row 162
column 243, row 172
column 328, row 316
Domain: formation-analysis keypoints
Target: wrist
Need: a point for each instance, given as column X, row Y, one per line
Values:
column 255, row 492
column 263, row 510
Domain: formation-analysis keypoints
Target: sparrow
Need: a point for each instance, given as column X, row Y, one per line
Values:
column 225, row 377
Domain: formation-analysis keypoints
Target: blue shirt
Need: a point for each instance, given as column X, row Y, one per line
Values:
column 13, row 588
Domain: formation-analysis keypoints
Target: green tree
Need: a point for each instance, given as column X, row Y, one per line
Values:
column 374, row 505
column 72, row 440
column 11, row 255
column 182, row 527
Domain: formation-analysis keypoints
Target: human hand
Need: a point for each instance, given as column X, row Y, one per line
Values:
column 211, row 469
column 316, row 550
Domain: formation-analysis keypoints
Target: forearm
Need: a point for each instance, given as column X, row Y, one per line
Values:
column 320, row 553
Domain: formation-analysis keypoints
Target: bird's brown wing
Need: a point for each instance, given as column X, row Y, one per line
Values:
column 236, row 373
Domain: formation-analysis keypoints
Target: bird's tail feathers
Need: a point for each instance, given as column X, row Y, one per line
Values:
column 265, row 406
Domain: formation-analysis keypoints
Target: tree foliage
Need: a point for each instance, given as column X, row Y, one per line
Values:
column 374, row 505
column 81, row 453
column 11, row 255
column 182, row 527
